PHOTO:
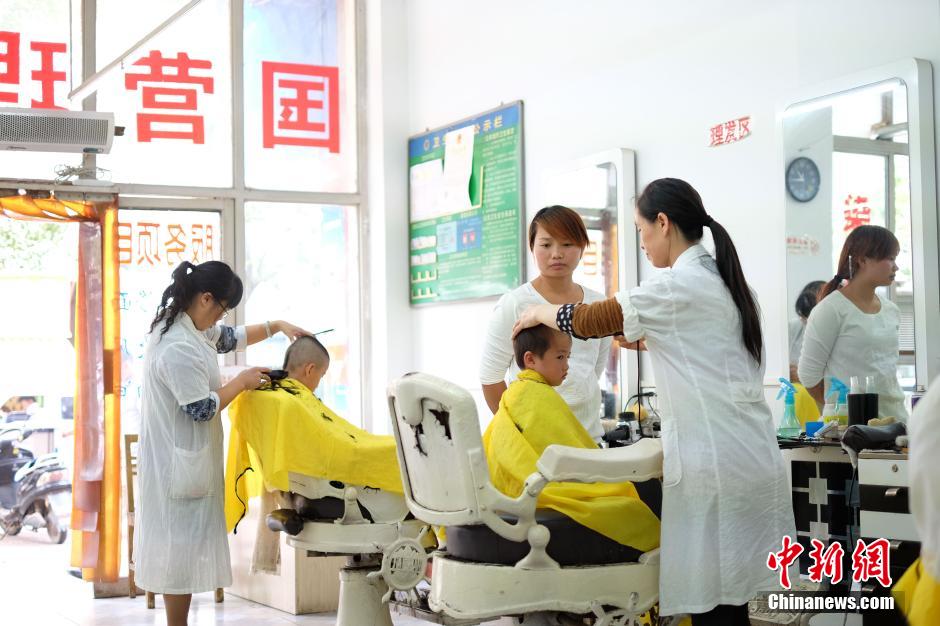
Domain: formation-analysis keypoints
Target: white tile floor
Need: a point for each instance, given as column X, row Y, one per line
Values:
column 36, row 588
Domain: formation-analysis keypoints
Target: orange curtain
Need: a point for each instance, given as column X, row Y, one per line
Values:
column 96, row 482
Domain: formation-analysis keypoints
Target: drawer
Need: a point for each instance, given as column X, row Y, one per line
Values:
column 883, row 498
column 901, row 554
column 888, row 525
column 888, row 472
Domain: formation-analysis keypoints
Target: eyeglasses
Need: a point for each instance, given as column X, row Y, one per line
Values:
column 225, row 309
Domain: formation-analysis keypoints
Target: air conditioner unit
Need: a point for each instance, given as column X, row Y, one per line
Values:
column 53, row 130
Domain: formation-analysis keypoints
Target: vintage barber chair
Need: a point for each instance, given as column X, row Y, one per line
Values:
column 328, row 518
column 502, row 556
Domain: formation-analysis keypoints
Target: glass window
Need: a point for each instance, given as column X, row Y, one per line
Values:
column 173, row 96
column 858, row 195
column 902, row 223
column 150, row 245
column 37, row 50
column 301, row 266
column 300, row 95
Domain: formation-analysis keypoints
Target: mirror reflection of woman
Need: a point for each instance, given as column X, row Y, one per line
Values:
column 557, row 239
column 804, row 306
column 853, row 331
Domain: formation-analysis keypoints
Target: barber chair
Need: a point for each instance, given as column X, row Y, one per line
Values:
column 329, row 518
column 503, row 557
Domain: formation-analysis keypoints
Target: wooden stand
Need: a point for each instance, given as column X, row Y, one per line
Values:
column 303, row 584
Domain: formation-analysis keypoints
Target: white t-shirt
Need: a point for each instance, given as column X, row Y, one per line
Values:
column 587, row 362
column 843, row 341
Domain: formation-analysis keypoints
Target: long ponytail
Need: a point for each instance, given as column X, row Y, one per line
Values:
column 214, row 277
column 682, row 204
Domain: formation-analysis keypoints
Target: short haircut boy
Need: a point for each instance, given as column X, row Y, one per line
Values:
column 306, row 349
column 537, row 340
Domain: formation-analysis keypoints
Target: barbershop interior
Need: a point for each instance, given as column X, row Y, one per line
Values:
column 403, row 312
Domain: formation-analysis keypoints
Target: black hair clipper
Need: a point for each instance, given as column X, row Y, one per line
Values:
column 277, row 375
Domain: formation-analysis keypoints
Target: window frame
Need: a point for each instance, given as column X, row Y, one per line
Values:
column 232, row 199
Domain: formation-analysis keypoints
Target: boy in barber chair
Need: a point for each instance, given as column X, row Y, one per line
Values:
column 613, row 521
column 285, row 429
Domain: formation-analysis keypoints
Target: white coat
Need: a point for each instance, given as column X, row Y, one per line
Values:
column 726, row 498
column 924, row 429
column 180, row 542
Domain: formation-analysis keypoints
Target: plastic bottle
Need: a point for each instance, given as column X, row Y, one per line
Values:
column 789, row 426
column 838, row 410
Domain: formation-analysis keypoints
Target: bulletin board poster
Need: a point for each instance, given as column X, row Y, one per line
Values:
column 466, row 208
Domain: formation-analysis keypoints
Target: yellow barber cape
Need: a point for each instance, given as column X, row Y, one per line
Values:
column 532, row 416
column 918, row 596
column 275, row 432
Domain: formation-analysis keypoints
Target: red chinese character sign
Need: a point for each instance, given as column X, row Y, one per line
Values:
column 150, row 245
column 174, row 90
column 730, row 131
column 39, row 62
column 300, row 105
column 857, row 212
column 155, row 240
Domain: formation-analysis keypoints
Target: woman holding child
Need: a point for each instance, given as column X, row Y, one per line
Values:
column 557, row 239
column 726, row 500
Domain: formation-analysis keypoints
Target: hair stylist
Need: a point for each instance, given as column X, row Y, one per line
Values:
column 180, row 544
column 726, row 498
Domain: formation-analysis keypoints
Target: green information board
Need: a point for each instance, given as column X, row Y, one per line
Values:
column 466, row 238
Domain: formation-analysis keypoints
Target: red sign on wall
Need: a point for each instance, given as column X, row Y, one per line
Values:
column 730, row 131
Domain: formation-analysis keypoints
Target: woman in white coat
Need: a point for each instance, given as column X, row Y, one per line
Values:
column 180, row 543
column 557, row 238
column 726, row 501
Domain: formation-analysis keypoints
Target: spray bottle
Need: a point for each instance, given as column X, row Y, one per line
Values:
column 789, row 426
column 839, row 410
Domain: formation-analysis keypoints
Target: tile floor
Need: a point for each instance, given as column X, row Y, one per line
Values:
column 35, row 588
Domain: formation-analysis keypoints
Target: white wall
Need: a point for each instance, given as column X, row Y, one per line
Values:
column 653, row 77
column 809, row 135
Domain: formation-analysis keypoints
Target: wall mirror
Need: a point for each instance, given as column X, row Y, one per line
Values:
column 860, row 151
column 601, row 188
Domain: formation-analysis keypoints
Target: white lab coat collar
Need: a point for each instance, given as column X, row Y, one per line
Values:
column 187, row 322
column 694, row 252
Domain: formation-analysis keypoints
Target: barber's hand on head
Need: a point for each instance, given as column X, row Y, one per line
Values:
column 253, row 377
column 527, row 319
column 289, row 329
column 639, row 346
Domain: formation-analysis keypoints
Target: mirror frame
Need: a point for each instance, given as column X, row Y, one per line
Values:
column 917, row 76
